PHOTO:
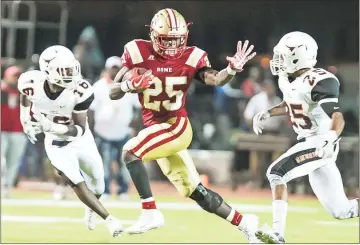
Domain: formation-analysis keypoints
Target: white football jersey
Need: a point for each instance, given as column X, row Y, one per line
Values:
column 57, row 107
column 303, row 98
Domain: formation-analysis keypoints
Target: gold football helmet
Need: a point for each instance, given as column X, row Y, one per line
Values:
column 169, row 33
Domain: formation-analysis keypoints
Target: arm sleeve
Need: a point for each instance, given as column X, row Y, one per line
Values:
column 326, row 93
column 325, row 89
column 84, row 105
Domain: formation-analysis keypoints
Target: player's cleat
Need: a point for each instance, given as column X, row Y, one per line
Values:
column 114, row 225
column 266, row 235
column 90, row 218
column 249, row 226
column 149, row 219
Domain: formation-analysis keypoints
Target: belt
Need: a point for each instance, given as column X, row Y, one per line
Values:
column 60, row 143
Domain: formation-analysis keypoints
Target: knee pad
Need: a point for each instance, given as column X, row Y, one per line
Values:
column 275, row 180
column 207, row 199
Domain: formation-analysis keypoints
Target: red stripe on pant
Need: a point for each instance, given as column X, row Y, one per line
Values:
column 155, row 134
column 164, row 141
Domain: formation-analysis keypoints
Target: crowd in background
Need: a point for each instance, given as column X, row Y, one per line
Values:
column 213, row 111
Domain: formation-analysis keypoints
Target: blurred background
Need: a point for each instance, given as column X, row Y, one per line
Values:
column 225, row 150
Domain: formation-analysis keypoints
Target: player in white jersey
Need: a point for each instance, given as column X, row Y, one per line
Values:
column 310, row 98
column 55, row 101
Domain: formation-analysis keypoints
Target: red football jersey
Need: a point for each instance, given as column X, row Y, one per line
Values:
column 166, row 97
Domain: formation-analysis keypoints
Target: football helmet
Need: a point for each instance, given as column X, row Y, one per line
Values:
column 169, row 33
column 60, row 66
column 295, row 51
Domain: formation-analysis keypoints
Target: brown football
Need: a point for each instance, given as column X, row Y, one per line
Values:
column 140, row 71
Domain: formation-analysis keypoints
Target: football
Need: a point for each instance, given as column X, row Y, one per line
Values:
column 140, row 71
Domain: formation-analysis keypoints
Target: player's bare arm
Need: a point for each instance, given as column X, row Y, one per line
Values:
column 278, row 110
column 115, row 91
column 260, row 118
column 236, row 64
column 338, row 123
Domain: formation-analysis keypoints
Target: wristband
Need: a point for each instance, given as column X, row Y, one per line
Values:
column 124, row 86
column 230, row 71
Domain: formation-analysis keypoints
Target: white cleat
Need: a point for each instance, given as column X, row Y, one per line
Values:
column 267, row 235
column 249, row 226
column 114, row 225
column 149, row 219
column 90, row 218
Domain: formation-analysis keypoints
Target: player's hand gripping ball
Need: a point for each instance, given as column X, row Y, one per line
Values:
column 138, row 79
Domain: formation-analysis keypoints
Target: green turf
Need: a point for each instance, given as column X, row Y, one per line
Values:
column 182, row 226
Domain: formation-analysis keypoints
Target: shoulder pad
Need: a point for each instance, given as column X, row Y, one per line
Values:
column 133, row 48
column 195, row 56
column 28, row 80
column 318, row 74
column 83, row 91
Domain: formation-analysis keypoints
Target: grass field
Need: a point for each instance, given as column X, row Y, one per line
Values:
column 34, row 218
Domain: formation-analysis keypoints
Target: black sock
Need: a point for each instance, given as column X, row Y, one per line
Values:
column 223, row 210
column 140, row 178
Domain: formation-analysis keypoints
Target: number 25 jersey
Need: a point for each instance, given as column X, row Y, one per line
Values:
column 166, row 97
column 304, row 97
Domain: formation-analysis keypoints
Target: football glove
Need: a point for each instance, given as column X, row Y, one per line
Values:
column 237, row 62
column 258, row 121
column 31, row 129
column 137, row 82
column 326, row 148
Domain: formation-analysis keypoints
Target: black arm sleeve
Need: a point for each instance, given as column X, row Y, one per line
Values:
column 327, row 88
column 330, row 108
column 200, row 74
column 85, row 104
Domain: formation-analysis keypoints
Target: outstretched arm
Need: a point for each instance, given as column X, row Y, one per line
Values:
column 236, row 64
column 278, row 110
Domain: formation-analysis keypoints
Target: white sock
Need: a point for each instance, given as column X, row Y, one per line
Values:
column 149, row 199
column 279, row 216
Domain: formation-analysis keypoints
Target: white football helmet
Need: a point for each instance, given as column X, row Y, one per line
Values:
column 60, row 66
column 296, row 50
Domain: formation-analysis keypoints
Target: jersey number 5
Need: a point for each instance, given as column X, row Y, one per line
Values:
column 295, row 113
column 170, row 105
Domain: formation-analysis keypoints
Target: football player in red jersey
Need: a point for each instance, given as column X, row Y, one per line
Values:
column 162, row 92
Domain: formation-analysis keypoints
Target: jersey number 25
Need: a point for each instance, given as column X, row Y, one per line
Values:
column 296, row 114
column 170, row 91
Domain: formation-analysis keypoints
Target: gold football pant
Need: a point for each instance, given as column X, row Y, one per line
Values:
column 167, row 143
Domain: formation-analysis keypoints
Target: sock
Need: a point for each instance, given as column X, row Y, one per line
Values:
column 234, row 217
column 140, row 178
column 279, row 216
column 148, row 203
